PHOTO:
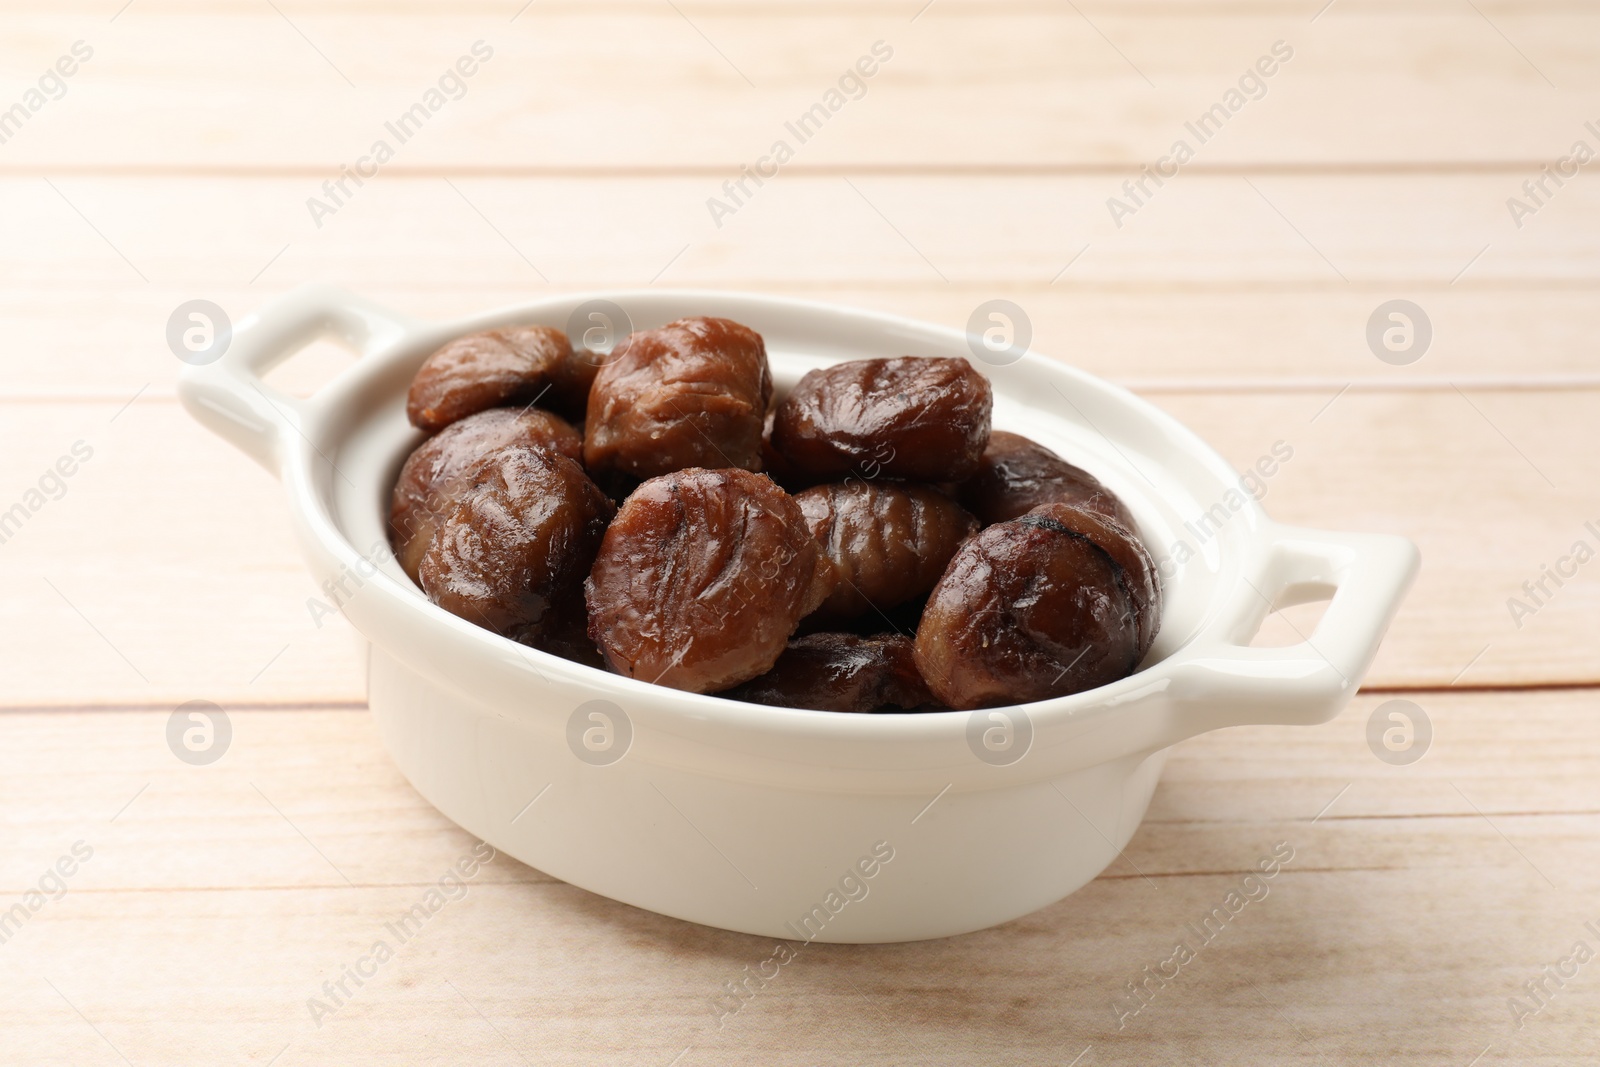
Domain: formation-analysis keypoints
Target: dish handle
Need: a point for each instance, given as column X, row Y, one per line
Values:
column 228, row 395
column 1222, row 681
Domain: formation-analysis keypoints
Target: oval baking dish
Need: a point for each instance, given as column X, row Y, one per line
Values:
column 786, row 823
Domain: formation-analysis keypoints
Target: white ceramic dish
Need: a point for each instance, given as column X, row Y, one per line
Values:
column 765, row 820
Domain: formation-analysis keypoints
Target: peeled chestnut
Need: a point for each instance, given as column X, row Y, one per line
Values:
column 1139, row 573
column 889, row 541
column 701, row 578
column 841, row 672
column 692, row 393
column 429, row 484
column 511, row 365
column 925, row 420
column 512, row 555
column 1016, row 475
column 1037, row 607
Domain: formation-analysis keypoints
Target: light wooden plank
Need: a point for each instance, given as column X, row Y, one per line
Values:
column 380, row 9
column 167, row 572
column 575, row 86
column 1396, row 934
column 1389, row 232
column 1461, row 476
column 1147, row 335
column 1209, row 284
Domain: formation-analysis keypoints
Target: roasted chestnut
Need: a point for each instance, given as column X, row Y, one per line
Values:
column 1040, row 606
column 692, row 393
column 701, row 578
column 512, row 555
column 924, row 420
column 841, row 672
column 889, row 541
column 1139, row 571
column 429, row 484
column 512, row 365
column 1016, row 475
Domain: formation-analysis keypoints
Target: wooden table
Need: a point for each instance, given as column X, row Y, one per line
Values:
column 207, row 905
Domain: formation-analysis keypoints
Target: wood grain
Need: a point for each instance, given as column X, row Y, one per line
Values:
column 1331, row 233
column 709, row 86
column 1404, row 892
column 1210, row 288
column 1151, row 336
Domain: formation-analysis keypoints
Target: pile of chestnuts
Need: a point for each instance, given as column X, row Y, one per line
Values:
column 866, row 544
